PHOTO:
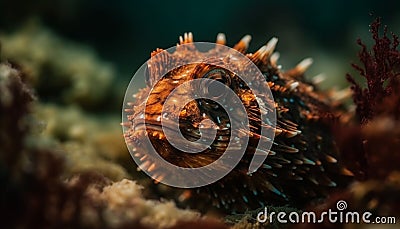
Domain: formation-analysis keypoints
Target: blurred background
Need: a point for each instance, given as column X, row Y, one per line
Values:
column 125, row 32
column 79, row 56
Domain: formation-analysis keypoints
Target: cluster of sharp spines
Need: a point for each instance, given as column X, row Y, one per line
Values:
column 267, row 57
column 264, row 55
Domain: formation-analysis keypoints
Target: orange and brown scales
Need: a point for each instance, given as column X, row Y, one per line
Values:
column 303, row 163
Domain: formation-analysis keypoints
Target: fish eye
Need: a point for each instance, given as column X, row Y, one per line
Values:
column 214, row 88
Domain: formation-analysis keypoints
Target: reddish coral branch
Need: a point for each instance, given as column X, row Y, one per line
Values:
column 381, row 69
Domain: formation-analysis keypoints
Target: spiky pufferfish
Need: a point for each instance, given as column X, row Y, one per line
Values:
column 303, row 163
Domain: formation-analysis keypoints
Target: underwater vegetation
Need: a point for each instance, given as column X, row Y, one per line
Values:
column 62, row 75
column 381, row 70
column 61, row 167
column 371, row 142
column 59, row 70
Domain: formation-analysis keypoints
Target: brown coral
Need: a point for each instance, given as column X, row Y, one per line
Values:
column 34, row 195
column 14, row 104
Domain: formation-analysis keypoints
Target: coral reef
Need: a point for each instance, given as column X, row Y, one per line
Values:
column 248, row 220
column 62, row 74
column 60, row 70
column 125, row 203
column 88, row 143
column 33, row 196
column 58, row 164
column 14, row 125
column 62, row 165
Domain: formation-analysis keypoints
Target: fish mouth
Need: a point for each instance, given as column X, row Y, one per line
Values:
column 155, row 128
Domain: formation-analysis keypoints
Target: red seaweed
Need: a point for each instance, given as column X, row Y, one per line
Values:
column 381, row 69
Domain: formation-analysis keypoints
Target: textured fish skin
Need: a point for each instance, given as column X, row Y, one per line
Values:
column 303, row 163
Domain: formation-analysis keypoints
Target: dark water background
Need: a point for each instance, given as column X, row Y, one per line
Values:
column 125, row 32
